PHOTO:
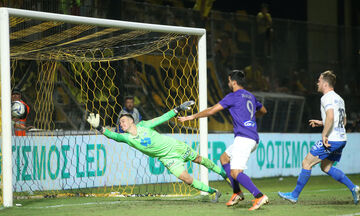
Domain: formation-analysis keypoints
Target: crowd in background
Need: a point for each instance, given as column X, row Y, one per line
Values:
column 272, row 52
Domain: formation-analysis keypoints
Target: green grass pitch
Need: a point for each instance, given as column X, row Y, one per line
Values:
column 321, row 196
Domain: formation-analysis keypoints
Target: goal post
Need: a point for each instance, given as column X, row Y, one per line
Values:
column 89, row 60
column 6, row 152
column 203, row 122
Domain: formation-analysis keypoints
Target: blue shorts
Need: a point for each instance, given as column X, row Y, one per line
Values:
column 333, row 153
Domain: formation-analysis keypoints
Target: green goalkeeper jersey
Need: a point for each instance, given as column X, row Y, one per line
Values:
column 147, row 140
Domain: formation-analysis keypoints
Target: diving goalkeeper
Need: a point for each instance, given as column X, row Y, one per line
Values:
column 171, row 152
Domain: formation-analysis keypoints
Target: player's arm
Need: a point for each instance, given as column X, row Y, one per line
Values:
column 205, row 113
column 120, row 137
column 262, row 111
column 94, row 121
column 159, row 120
column 329, row 122
column 315, row 123
column 167, row 116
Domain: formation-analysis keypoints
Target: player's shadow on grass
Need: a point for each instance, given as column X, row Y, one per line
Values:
column 246, row 206
column 204, row 199
column 328, row 202
column 317, row 202
column 241, row 206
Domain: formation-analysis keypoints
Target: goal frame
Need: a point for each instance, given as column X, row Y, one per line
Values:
column 5, row 68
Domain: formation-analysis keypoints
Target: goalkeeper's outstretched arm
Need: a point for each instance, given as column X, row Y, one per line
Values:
column 159, row 120
column 167, row 116
column 94, row 121
column 205, row 113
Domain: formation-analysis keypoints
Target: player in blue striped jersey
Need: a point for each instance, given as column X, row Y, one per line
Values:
column 329, row 148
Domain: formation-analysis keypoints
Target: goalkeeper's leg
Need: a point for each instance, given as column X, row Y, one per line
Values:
column 192, row 155
column 210, row 165
column 185, row 177
column 175, row 164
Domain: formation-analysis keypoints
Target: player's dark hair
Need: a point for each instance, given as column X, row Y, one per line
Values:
column 127, row 115
column 238, row 76
column 329, row 77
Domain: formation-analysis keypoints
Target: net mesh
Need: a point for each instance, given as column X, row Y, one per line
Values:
column 66, row 71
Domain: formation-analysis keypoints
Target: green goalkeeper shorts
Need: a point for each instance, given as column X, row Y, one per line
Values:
column 175, row 160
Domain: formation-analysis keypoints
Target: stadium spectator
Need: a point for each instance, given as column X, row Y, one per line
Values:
column 172, row 153
column 353, row 124
column 70, row 6
column 291, row 84
column 132, row 72
column 243, row 107
column 204, row 7
column 327, row 150
column 223, row 52
column 264, row 31
column 16, row 4
column 20, row 127
column 129, row 108
column 255, row 79
column 296, row 84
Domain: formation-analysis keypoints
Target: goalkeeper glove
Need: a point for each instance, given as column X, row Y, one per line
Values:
column 94, row 121
column 183, row 107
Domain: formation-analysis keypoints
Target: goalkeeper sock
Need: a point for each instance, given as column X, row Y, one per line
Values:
column 234, row 183
column 201, row 186
column 301, row 182
column 339, row 176
column 212, row 166
column 246, row 182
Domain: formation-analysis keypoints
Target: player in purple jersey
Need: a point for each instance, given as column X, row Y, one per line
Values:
column 244, row 108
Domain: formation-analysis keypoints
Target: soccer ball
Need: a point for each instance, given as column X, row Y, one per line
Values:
column 18, row 109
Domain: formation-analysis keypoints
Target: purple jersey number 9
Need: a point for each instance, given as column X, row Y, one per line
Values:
column 250, row 108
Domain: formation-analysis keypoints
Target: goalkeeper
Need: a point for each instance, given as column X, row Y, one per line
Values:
column 171, row 152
